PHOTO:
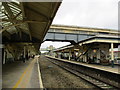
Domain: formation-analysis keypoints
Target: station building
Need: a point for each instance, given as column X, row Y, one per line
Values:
column 91, row 50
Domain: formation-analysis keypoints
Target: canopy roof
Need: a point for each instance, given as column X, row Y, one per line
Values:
column 26, row 23
column 30, row 20
column 97, row 39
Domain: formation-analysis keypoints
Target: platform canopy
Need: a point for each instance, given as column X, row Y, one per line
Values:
column 101, row 39
column 26, row 22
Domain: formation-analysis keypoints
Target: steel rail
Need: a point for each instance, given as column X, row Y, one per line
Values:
column 95, row 82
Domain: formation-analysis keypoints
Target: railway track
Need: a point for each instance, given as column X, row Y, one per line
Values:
column 96, row 82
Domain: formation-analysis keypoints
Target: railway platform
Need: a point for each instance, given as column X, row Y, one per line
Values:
column 108, row 76
column 107, row 68
column 40, row 72
column 21, row 75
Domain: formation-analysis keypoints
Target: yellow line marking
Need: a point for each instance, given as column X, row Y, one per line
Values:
column 27, row 76
column 18, row 82
column 39, row 75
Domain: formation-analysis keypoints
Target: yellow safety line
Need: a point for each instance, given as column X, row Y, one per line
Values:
column 18, row 82
column 28, row 75
column 39, row 75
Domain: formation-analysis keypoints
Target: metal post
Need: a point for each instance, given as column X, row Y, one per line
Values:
column 28, row 54
column 24, row 51
column 4, row 58
column 69, row 54
column 112, row 55
column 24, row 54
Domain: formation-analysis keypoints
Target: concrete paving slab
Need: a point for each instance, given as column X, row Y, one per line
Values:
column 21, row 75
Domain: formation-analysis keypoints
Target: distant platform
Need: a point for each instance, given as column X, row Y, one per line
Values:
column 100, row 67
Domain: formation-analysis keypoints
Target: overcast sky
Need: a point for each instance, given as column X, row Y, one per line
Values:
column 86, row 13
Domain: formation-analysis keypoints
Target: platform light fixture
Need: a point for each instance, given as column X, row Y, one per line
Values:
column 94, row 50
column 80, row 44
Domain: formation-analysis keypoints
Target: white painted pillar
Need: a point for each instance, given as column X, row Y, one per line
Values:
column 112, row 52
column 98, row 56
column 4, row 57
column 24, row 51
column 54, row 54
column 119, row 50
column 69, row 54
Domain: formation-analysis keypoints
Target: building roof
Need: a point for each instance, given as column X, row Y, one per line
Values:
column 26, row 22
column 96, row 39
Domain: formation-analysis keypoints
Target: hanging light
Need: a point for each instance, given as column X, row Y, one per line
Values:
column 94, row 51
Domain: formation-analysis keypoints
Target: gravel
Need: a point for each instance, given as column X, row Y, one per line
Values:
column 56, row 77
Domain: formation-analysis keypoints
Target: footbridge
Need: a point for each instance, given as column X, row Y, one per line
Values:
column 75, row 34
